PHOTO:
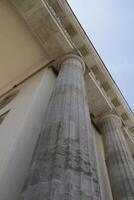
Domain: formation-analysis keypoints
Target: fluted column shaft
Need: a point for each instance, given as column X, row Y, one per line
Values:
column 119, row 160
column 64, row 166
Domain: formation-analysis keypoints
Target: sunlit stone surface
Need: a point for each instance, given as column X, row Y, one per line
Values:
column 119, row 160
column 64, row 165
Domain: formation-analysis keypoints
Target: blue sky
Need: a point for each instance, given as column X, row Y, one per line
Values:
column 110, row 26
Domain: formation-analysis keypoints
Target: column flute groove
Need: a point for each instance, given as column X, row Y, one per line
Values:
column 64, row 167
column 119, row 160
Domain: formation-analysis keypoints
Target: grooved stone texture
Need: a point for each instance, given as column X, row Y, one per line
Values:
column 64, row 166
column 119, row 160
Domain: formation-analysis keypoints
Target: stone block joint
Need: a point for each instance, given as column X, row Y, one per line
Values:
column 64, row 166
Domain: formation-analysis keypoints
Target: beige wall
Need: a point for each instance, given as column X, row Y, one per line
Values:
column 19, row 132
column 20, row 51
column 20, row 129
column 102, row 170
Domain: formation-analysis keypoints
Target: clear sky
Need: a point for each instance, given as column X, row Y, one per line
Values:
column 110, row 26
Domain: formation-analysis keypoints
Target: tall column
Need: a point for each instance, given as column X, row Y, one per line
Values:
column 64, row 166
column 119, row 160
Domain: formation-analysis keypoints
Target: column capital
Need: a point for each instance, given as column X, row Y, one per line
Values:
column 118, row 158
column 72, row 56
column 110, row 116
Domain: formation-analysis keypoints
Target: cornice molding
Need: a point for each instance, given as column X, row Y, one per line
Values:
column 78, row 40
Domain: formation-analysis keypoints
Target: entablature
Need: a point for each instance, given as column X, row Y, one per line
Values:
column 59, row 32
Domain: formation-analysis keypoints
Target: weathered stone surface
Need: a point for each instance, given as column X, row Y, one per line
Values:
column 119, row 160
column 43, row 26
column 64, row 166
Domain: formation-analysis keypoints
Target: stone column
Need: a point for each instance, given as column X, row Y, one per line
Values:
column 64, row 166
column 119, row 160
